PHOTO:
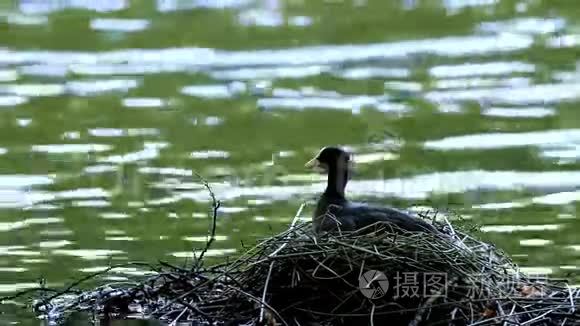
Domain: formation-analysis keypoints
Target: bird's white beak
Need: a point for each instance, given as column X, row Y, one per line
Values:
column 313, row 163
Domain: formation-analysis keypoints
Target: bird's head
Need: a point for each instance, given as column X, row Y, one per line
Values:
column 330, row 157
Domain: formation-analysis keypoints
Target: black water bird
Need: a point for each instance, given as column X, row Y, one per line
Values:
column 334, row 211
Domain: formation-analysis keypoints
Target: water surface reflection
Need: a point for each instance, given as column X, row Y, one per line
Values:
column 106, row 108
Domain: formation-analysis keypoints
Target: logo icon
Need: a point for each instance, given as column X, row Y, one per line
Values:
column 373, row 284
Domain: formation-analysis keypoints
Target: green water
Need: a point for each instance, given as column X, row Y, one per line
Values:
column 105, row 111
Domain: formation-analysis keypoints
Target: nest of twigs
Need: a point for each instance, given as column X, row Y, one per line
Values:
column 378, row 276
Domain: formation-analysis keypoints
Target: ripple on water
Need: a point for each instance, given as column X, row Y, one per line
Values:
column 164, row 5
column 165, row 171
column 374, row 157
column 100, row 86
column 526, row 25
column 13, row 269
column 8, row 75
column 145, row 154
column 535, row 242
column 53, row 244
column 404, row 86
column 24, row 122
column 119, row 24
column 208, row 91
column 162, row 201
column 22, row 224
column 32, row 90
column 275, row 72
column 260, row 17
column 21, row 198
column 14, row 287
column 80, row 193
column 514, row 95
column 232, row 210
column 537, row 271
column 114, row 232
column 204, row 238
column 519, row 112
column 209, row 121
column 100, row 168
column 125, row 238
column 107, row 132
column 144, row 102
column 453, row 46
column 499, row 68
column 9, row 100
column 114, row 215
column 115, row 132
column 91, row 203
column 26, row 20
column 353, row 103
column 43, row 207
column 123, row 69
column 447, row 46
column 209, row 253
column 454, row 5
column 42, row 6
column 547, row 139
column 44, row 70
column 18, row 251
column 209, row 154
column 363, row 73
column 133, row 271
column 416, row 187
column 87, row 254
column 498, row 206
column 565, row 154
column 574, row 247
column 559, row 198
column 70, row 148
column 472, row 83
column 520, row 228
column 57, row 232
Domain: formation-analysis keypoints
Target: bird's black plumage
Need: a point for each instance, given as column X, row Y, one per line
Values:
column 334, row 211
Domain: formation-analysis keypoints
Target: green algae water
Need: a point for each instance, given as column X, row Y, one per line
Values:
column 106, row 108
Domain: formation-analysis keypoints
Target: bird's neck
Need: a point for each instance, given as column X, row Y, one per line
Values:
column 337, row 179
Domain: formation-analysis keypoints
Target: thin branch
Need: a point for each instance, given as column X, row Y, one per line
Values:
column 215, row 204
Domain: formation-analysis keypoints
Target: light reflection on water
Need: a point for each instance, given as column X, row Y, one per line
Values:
column 119, row 25
column 99, row 142
column 549, row 139
column 200, row 58
column 40, row 6
column 520, row 112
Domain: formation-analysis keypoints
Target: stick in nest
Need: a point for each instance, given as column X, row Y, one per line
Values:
column 296, row 216
column 215, row 204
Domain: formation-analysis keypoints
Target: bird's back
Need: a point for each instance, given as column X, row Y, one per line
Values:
column 364, row 215
column 351, row 216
